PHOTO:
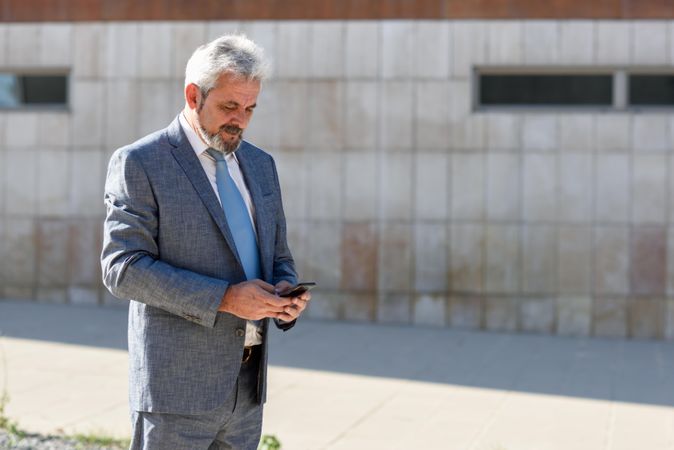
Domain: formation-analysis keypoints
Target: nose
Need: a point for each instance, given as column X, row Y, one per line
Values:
column 239, row 119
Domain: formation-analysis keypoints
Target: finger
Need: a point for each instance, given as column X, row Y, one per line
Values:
column 289, row 314
column 264, row 285
column 295, row 310
column 285, row 317
column 300, row 304
column 278, row 302
column 283, row 285
column 272, row 311
column 300, row 308
column 306, row 296
column 291, row 311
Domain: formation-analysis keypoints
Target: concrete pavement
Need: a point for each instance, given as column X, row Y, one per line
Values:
column 360, row 386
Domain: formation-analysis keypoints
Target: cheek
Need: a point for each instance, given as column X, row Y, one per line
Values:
column 210, row 120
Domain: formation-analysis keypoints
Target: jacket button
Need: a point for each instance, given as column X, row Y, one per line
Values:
column 240, row 332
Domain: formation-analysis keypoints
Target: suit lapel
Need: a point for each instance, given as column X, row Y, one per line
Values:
column 187, row 159
column 249, row 169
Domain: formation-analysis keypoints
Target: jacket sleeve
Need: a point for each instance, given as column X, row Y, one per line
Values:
column 130, row 261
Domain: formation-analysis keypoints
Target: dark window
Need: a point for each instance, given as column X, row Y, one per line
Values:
column 652, row 90
column 17, row 91
column 546, row 90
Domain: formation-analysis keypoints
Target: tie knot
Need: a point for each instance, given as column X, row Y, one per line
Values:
column 218, row 156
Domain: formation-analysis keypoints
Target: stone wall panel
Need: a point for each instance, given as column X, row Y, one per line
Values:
column 405, row 201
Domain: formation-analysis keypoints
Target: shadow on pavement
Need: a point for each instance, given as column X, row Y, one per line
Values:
column 636, row 371
column 69, row 324
column 640, row 371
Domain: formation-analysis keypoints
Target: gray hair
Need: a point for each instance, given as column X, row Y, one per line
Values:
column 231, row 53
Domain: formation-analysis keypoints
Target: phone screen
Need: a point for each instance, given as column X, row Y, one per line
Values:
column 299, row 289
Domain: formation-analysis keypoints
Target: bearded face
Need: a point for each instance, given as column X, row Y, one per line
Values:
column 216, row 140
column 223, row 112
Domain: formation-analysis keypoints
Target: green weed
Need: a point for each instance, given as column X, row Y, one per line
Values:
column 269, row 442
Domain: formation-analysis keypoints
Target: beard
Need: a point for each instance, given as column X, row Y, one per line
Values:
column 215, row 140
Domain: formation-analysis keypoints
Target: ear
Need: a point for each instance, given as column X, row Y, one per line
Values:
column 192, row 95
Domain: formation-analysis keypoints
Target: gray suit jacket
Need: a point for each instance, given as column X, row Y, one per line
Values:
column 168, row 249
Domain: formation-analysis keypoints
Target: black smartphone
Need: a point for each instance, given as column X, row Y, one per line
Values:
column 299, row 289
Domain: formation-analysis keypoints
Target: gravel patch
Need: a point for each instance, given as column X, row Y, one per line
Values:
column 39, row 442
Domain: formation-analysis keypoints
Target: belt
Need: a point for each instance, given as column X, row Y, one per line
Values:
column 248, row 353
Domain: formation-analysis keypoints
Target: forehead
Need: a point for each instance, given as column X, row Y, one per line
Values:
column 233, row 88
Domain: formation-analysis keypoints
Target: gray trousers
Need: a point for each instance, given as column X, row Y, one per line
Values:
column 236, row 425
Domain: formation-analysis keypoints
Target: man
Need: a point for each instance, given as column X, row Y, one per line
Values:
column 195, row 238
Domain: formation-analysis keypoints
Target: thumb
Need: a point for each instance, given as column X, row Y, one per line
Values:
column 264, row 285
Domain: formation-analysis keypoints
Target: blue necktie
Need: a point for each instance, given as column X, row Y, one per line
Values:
column 237, row 216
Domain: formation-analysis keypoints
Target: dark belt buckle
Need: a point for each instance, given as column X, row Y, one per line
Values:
column 247, row 353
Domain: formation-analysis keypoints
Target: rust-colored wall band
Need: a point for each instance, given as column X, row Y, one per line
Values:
column 104, row 10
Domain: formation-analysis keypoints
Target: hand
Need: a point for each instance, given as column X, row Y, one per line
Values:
column 254, row 300
column 298, row 305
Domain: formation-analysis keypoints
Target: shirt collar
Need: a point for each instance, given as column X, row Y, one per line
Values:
column 195, row 141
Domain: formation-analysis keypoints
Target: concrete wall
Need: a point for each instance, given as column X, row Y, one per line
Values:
column 402, row 202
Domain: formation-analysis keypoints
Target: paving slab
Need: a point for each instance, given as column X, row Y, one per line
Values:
column 337, row 385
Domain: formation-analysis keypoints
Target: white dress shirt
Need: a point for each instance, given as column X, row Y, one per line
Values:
column 253, row 332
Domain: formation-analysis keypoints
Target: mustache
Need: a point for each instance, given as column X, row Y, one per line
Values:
column 231, row 129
